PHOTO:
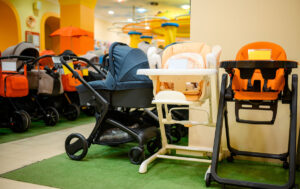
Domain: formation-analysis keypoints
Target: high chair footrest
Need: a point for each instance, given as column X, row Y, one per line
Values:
column 256, row 105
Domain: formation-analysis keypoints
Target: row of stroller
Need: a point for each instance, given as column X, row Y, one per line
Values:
column 37, row 87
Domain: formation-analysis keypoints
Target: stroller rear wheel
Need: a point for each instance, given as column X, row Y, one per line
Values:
column 154, row 145
column 76, row 146
column 136, row 155
column 52, row 116
column 72, row 112
column 20, row 121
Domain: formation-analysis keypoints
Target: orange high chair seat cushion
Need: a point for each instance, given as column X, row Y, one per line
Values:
column 13, row 85
column 69, row 82
column 199, row 48
column 276, row 85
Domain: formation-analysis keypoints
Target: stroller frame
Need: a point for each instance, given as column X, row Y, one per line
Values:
column 287, row 97
column 102, row 106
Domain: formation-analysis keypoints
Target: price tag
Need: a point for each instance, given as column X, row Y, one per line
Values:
column 259, row 54
column 66, row 70
column 9, row 66
column 85, row 72
column 56, row 59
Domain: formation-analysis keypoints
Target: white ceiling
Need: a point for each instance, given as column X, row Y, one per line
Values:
column 123, row 10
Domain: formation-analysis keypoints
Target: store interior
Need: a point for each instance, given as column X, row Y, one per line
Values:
column 149, row 94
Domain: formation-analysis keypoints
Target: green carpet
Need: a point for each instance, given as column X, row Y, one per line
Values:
column 109, row 167
column 38, row 127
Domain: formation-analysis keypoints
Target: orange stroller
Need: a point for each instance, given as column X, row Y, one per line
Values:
column 13, row 86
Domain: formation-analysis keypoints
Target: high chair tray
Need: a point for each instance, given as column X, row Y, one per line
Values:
column 176, row 72
column 262, row 64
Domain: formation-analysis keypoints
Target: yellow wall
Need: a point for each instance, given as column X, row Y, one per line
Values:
column 101, row 32
column 25, row 9
column 232, row 24
column 9, row 34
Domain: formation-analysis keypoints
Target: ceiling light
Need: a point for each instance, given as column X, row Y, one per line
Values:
column 111, row 12
column 147, row 27
column 129, row 20
column 141, row 10
column 185, row 7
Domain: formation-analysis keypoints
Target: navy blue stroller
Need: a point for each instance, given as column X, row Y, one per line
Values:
column 114, row 98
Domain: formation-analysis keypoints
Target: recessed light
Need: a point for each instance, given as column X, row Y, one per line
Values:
column 185, row 7
column 147, row 27
column 141, row 10
column 129, row 20
column 111, row 12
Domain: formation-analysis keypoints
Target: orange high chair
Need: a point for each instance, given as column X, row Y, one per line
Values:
column 258, row 80
column 188, row 70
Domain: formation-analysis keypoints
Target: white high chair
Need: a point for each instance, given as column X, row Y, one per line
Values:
column 170, row 88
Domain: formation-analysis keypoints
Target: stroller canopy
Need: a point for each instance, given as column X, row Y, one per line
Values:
column 21, row 49
column 124, row 62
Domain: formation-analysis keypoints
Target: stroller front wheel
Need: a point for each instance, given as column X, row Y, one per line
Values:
column 76, row 146
column 20, row 121
column 51, row 117
column 136, row 155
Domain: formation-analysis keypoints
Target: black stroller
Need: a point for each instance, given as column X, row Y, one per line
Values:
column 114, row 98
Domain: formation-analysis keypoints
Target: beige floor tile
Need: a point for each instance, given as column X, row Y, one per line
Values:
column 11, row 184
column 17, row 154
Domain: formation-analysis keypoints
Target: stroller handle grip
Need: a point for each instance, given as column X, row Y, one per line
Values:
column 98, row 98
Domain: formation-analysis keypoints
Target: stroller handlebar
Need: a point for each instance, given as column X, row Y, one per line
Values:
column 98, row 98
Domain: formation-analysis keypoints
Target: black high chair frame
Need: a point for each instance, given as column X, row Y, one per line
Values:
column 227, row 95
column 103, row 109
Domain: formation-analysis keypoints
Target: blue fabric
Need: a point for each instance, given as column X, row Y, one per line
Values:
column 124, row 62
column 134, row 32
column 169, row 24
column 146, row 36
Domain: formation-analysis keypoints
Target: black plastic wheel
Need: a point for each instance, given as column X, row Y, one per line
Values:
column 169, row 138
column 136, row 155
column 154, row 145
column 89, row 110
column 230, row 159
column 72, row 112
column 176, row 134
column 208, row 179
column 20, row 121
column 285, row 165
column 51, row 117
column 76, row 149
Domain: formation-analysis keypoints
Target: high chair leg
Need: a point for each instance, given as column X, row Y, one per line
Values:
column 211, row 174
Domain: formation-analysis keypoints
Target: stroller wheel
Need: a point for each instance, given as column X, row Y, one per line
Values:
column 89, row 110
column 52, row 116
column 154, row 145
column 176, row 134
column 20, row 121
column 72, row 112
column 136, row 155
column 76, row 146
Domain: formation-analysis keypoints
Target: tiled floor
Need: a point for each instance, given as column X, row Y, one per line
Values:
column 17, row 154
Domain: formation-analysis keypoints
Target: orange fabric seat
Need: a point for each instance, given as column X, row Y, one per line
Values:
column 240, row 86
column 70, row 83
